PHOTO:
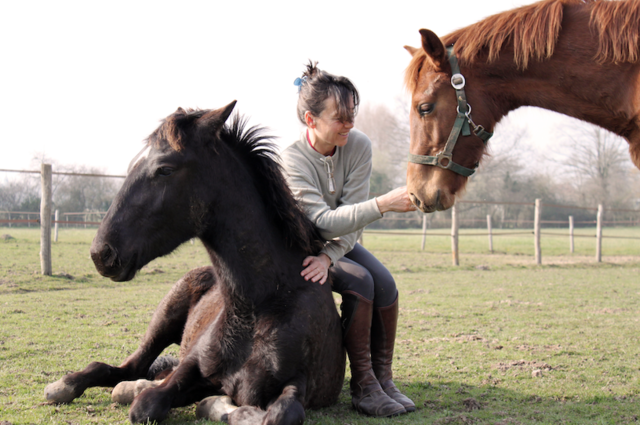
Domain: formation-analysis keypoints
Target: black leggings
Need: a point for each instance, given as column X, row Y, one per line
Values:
column 359, row 271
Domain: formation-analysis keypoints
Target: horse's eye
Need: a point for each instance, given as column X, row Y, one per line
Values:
column 425, row 108
column 164, row 171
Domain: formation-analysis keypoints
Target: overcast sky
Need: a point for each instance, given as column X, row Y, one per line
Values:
column 86, row 82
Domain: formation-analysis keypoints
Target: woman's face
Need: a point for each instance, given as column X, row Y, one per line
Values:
column 329, row 128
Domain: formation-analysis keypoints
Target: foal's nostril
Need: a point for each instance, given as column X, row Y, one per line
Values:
column 108, row 255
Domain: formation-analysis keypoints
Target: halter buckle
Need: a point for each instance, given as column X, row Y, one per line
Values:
column 443, row 160
column 457, row 81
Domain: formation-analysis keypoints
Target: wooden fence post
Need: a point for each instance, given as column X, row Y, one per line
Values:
column 55, row 226
column 599, row 234
column 424, row 230
column 571, row 245
column 490, row 233
column 45, row 220
column 9, row 217
column 536, row 232
column 454, row 235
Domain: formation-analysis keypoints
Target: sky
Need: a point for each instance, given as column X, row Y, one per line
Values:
column 86, row 82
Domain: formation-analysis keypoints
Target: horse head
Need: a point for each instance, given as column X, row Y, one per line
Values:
column 163, row 201
column 446, row 144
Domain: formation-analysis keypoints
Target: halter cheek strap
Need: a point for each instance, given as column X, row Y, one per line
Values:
column 461, row 125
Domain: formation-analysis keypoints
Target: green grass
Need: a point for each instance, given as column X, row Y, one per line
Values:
column 469, row 341
column 617, row 241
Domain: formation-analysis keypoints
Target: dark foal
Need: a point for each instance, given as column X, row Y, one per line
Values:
column 250, row 328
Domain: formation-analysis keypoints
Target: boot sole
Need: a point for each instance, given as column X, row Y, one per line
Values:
column 390, row 415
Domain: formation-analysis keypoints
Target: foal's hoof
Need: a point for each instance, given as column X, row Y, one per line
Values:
column 59, row 392
column 216, row 408
column 126, row 391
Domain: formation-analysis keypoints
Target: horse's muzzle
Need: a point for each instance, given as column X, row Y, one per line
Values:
column 430, row 205
column 109, row 264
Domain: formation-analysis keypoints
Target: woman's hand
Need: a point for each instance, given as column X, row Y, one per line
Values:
column 397, row 200
column 316, row 268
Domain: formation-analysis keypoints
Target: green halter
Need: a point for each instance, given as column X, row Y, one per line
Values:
column 461, row 125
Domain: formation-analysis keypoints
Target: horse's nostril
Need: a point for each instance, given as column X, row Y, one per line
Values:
column 415, row 200
column 108, row 255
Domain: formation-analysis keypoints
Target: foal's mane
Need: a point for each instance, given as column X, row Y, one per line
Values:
column 533, row 31
column 258, row 152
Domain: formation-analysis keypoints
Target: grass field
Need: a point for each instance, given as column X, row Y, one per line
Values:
column 497, row 340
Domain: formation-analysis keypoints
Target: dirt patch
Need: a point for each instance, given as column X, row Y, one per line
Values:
column 610, row 311
column 508, row 421
column 454, row 420
column 523, row 364
column 471, row 404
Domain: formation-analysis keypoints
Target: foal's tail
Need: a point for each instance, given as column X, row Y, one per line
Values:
column 161, row 367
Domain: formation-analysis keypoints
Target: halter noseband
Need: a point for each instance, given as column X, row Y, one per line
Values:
column 461, row 125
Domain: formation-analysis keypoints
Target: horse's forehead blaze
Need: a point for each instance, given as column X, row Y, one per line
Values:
column 431, row 79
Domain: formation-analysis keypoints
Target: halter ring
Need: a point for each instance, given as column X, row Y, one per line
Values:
column 457, row 81
column 466, row 113
column 440, row 157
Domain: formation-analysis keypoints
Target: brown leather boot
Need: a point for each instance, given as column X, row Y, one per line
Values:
column 366, row 394
column 383, row 338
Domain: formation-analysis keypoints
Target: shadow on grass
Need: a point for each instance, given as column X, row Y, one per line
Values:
column 438, row 403
column 448, row 402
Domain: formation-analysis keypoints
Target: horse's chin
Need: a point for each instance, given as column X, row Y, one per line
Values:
column 124, row 273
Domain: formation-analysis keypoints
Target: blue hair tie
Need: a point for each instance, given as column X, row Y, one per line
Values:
column 299, row 82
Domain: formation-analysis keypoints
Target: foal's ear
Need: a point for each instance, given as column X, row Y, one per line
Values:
column 433, row 47
column 412, row 50
column 216, row 119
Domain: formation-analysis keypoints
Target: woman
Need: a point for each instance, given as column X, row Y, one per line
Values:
column 328, row 170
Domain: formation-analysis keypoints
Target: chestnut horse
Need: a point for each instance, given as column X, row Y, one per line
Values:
column 249, row 327
column 576, row 57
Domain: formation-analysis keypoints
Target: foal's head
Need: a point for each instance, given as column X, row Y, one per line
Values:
column 198, row 177
column 165, row 198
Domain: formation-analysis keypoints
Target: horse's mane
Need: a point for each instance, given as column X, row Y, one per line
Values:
column 533, row 31
column 258, row 152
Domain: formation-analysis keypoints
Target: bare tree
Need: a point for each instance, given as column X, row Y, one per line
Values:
column 79, row 193
column 21, row 193
column 599, row 166
column 389, row 133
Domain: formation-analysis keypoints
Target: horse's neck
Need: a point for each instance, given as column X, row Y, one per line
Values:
column 602, row 94
column 247, row 250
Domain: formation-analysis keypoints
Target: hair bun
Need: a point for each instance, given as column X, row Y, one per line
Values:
column 312, row 69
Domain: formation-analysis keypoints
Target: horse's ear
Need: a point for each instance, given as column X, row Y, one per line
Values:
column 433, row 47
column 216, row 119
column 412, row 50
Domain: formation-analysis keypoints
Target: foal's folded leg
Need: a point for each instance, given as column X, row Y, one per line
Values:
column 184, row 386
column 286, row 410
column 165, row 329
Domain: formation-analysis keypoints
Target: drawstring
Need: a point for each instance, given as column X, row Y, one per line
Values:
column 328, row 166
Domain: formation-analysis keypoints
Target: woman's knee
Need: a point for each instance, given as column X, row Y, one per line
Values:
column 357, row 280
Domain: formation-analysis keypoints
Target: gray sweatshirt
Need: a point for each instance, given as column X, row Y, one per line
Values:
column 340, row 216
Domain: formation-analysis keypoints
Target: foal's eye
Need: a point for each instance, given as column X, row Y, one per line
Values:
column 425, row 108
column 164, row 171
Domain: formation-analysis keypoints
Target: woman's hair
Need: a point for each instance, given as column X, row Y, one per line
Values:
column 316, row 86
